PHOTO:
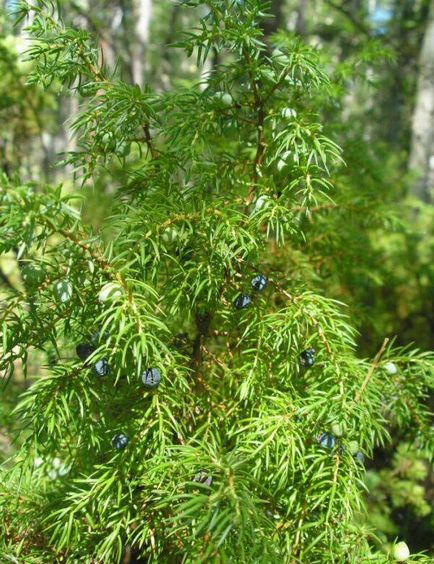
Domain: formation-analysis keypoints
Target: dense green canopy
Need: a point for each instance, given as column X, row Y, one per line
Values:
column 205, row 291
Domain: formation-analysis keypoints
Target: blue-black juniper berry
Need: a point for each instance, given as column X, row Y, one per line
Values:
column 120, row 441
column 203, row 477
column 84, row 350
column 307, row 358
column 259, row 282
column 242, row 301
column 151, row 378
column 326, row 440
column 101, row 367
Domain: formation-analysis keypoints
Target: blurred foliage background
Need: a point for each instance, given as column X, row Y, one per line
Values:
column 378, row 54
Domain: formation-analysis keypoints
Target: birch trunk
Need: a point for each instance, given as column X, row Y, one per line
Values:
column 422, row 144
column 142, row 10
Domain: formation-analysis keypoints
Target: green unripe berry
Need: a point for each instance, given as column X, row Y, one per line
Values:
column 289, row 113
column 277, row 53
column 390, row 368
column 227, row 99
column 337, row 429
column 279, row 56
column 223, row 98
column 170, row 235
column 353, row 447
column 281, row 164
column 87, row 90
column 63, row 290
column 108, row 141
column 401, row 552
column 262, row 202
column 124, row 149
column 110, row 291
column 33, row 275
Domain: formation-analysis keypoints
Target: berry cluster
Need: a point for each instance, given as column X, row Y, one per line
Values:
column 328, row 441
column 151, row 377
column 258, row 284
column 307, row 360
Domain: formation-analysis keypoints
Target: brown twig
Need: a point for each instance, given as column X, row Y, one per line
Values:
column 203, row 322
column 148, row 141
column 260, row 145
column 371, row 369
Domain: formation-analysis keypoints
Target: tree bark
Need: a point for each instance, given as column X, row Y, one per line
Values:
column 422, row 145
column 142, row 10
column 271, row 25
column 300, row 26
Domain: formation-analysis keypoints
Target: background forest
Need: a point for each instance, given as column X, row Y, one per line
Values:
column 376, row 255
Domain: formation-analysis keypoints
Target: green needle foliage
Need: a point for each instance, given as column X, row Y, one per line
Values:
column 241, row 453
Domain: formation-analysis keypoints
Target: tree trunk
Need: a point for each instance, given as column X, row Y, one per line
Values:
column 142, row 10
column 396, row 130
column 422, row 145
column 300, row 26
column 272, row 24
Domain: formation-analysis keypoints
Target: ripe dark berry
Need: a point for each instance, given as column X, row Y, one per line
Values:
column 242, row 301
column 151, row 378
column 84, row 350
column 120, row 441
column 101, row 367
column 326, row 440
column 360, row 457
column 203, row 478
column 307, row 358
column 259, row 282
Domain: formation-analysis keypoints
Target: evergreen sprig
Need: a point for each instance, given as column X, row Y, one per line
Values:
column 244, row 451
